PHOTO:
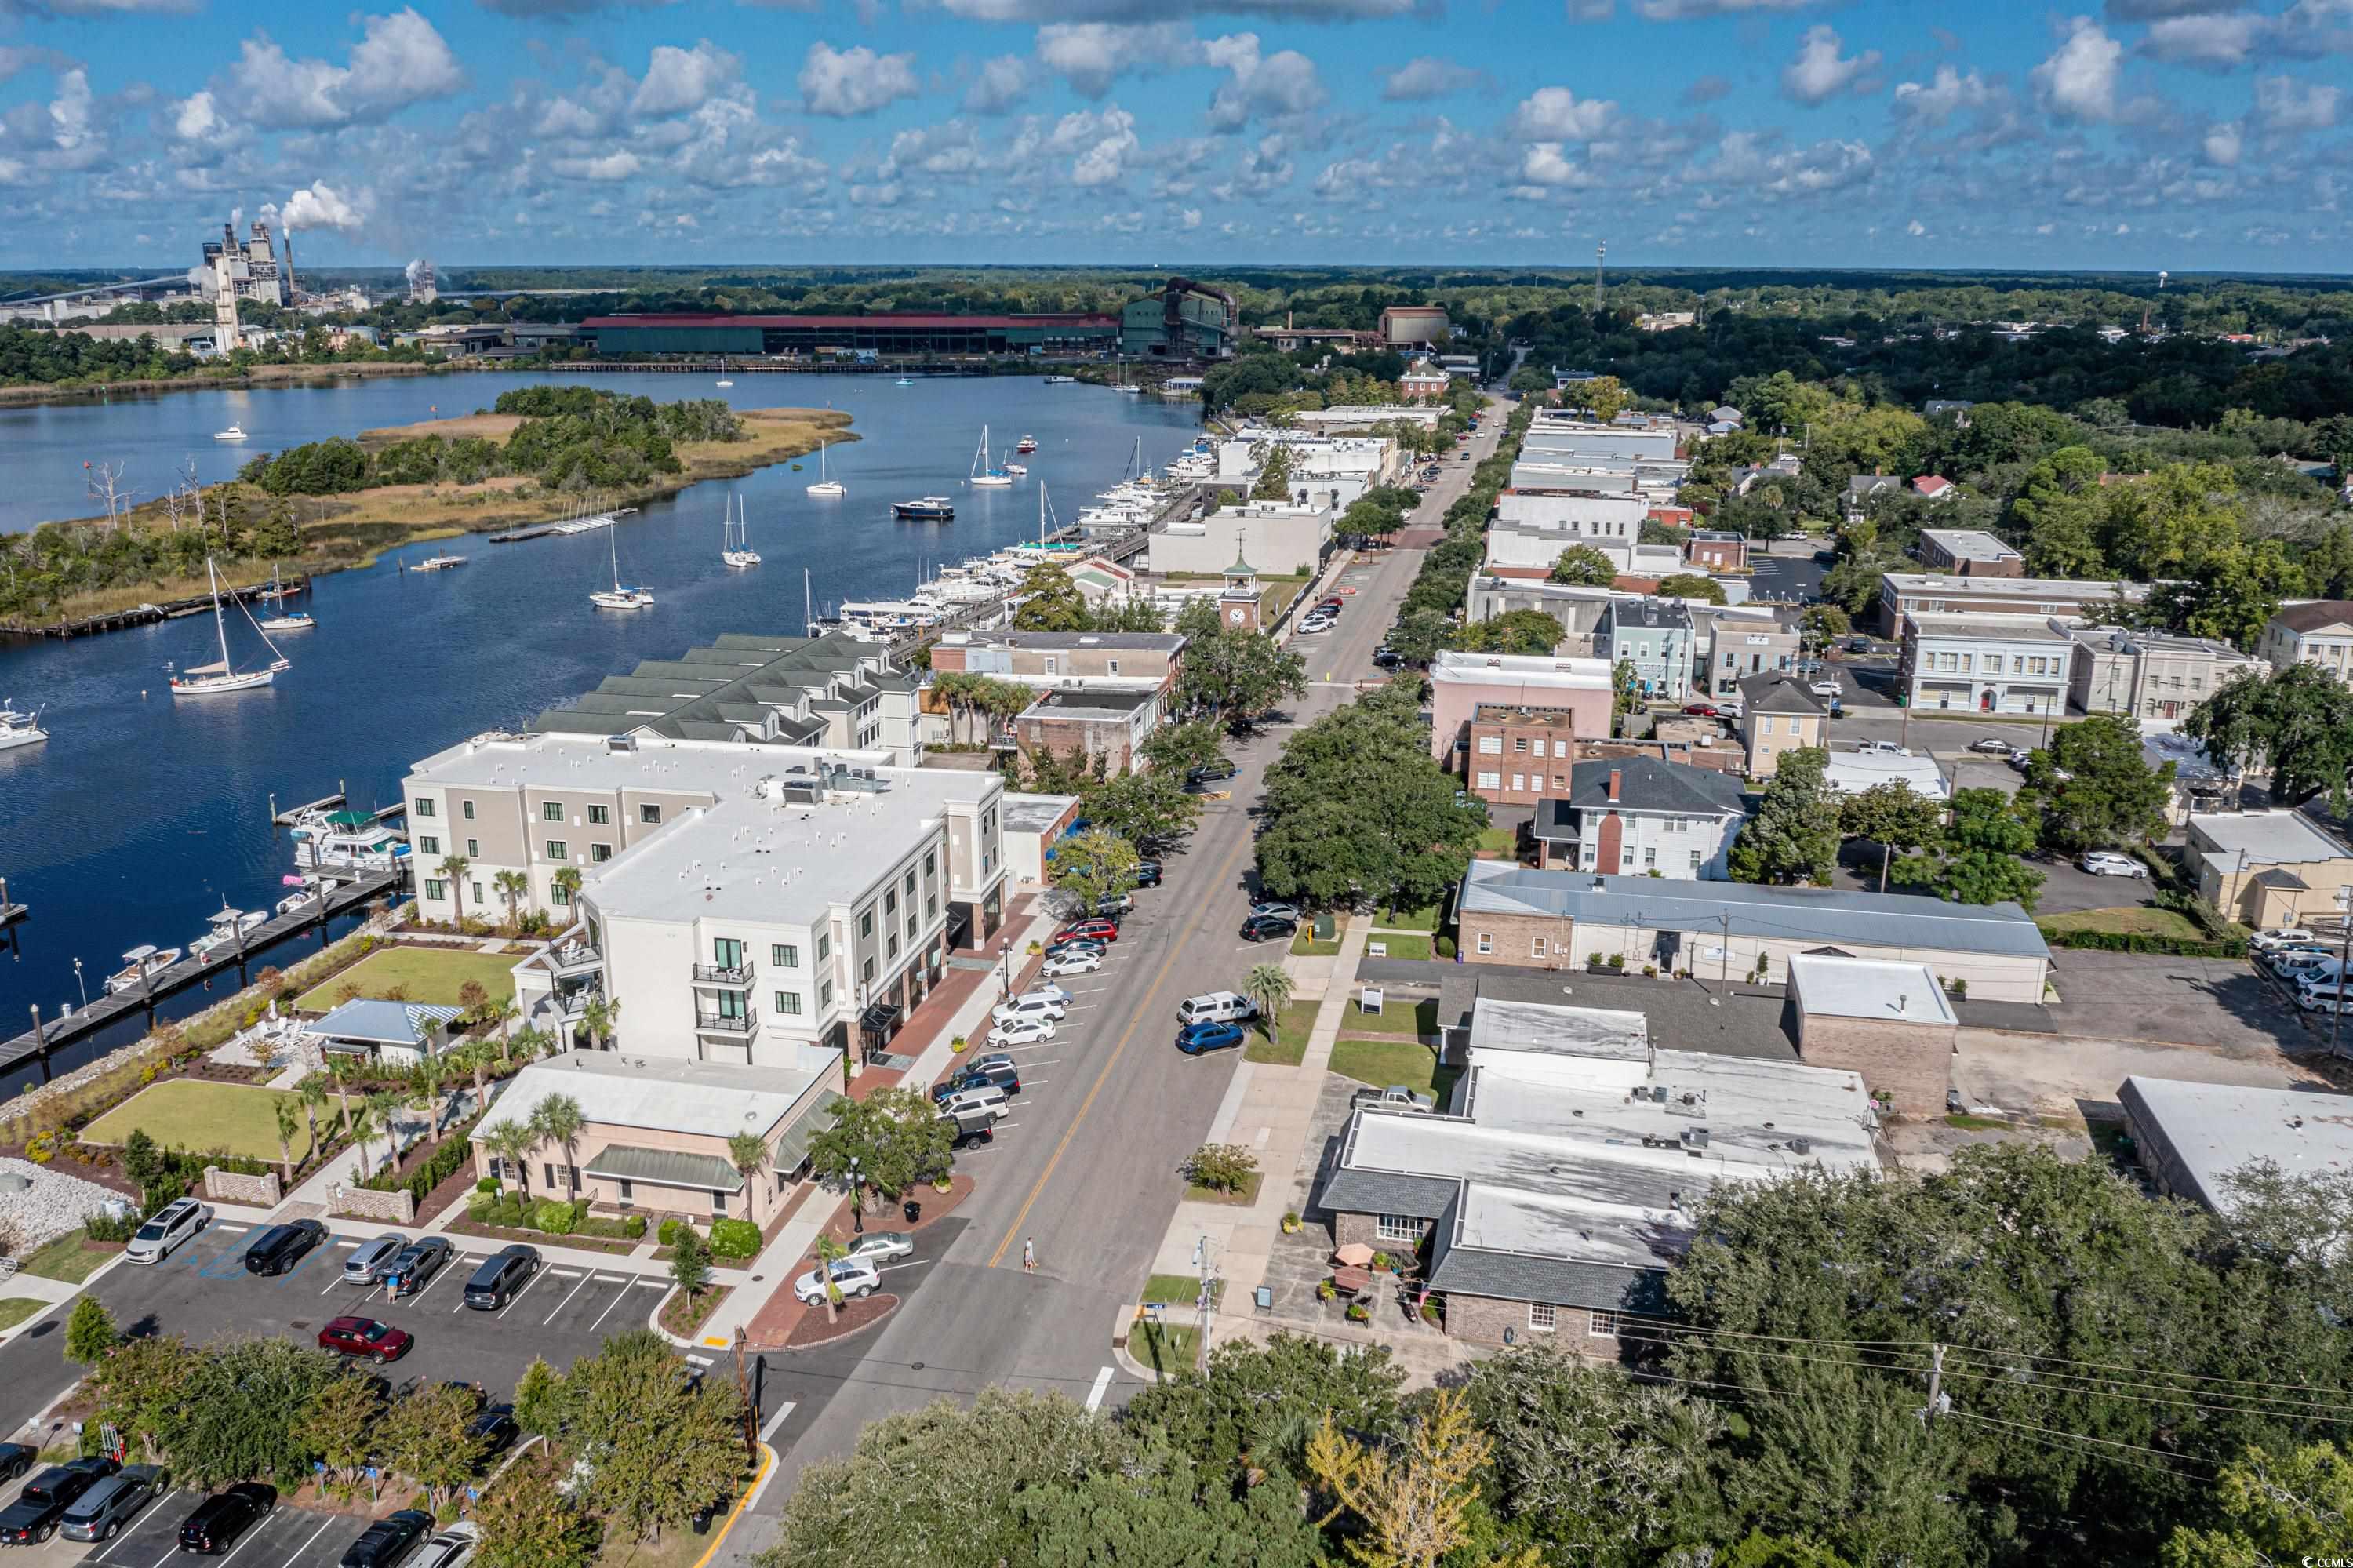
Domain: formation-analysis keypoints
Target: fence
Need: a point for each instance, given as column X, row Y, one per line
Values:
column 260, row 1191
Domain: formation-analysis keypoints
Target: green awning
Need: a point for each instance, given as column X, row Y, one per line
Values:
column 792, row 1145
column 666, row 1167
column 349, row 820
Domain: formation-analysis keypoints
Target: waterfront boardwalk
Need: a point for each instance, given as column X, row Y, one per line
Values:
column 116, row 1005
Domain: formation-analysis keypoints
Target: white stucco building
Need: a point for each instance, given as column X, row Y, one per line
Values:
column 1986, row 663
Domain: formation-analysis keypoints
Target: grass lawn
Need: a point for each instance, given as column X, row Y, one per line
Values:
column 65, row 1258
column 1394, row 1017
column 1181, row 1288
column 14, row 1309
column 1273, row 593
column 426, row 974
column 1305, row 946
column 1964, row 1122
column 1242, row 1197
column 1381, row 1063
column 1409, row 919
column 2140, row 920
column 1166, row 1348
column 1298, row 1022
column 1400, row 945
column 186, row 1113
column 1498, row 840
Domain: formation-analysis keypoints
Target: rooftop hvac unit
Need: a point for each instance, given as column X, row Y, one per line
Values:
column 1694, row 1138
column 620, row 743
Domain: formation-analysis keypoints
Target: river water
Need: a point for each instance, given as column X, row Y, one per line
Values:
column 142, row 814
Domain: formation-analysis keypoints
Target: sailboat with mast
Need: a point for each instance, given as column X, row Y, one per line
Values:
column 621, row 597
column 733, row 554
column 285, row 620
column 985, row 476
column 824, row 485
column 212, row 680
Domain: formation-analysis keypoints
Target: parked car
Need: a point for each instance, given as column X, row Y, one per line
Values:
column 1075, row 944
column 1261, row 927
column 973, row 1128
column 389, row 1540
column 1195, row 1039
column 100, row 1513
column 1332, row 606
column 1209, row 773
column 878, row 1247
column 2321, row 998
column 985, row 1098
column 495, row 1429
column 1703, row 710
column 280, row 1247
column 369, row 1259
column 2108, row 863
column 1113, row 906
column 1097, row 928
column 501, row 1276
column 1216, row 1007
column 1386, row 657
column 1022, row 1031
column 1033, row 1005
column 220, row 1518
column 1147, row 873
column 1275, row 907
column 413, row 1269
column 1073, row 961
column 852, row 1277
column 15, row 1458
column 451, row 1547
column 1824, row 688
column 2280, row 936
column 1004, row 1075
column 41, row 1507
column 1397, row 1097
column 1882, row 748
column 379, row 1342
column 166, row 1228
column 1314, row 624
column 1993, row 745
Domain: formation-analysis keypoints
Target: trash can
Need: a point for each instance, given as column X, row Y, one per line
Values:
column 912, row 1209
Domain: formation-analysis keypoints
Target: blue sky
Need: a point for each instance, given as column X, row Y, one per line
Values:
column 2179, row 134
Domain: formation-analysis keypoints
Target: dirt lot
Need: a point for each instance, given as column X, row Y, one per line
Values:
column 2215, row 1003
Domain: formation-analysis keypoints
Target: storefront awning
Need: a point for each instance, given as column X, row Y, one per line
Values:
column 666, row 1167
column 792, row 1144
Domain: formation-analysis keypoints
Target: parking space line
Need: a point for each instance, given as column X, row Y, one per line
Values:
column 911, row 1262
column 778, row 1418
column 537, row 1275
column 333, row 1283
column 619, row 1298
column 291, row 1561
column 174, row 1551
column 1102, row 1385
column 560, row 1306
column 260, row 1529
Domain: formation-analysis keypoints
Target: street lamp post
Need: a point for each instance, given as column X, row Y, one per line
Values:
column 82, row 985
column 857, row 1200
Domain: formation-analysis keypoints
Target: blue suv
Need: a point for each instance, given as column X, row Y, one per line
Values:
column 1196, row 1038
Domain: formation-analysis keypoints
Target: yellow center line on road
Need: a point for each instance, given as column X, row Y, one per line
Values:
column 1225, row 872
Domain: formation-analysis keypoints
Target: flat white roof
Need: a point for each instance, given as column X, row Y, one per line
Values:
column 1588, row 1031
column 2062, row 589
column 1881, row 990
column 614, row 1088
column 1517, row 669
column 2267, row 838
column 1853, row 772
column 1969, row 545
column 2215, row 1129
column 1984, row 628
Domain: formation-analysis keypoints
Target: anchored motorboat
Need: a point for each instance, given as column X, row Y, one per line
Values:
column 19, row 728
column 143, row 962
column 234, row 433
column 929, row 509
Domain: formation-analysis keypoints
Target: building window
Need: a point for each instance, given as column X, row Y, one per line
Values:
column 788, row 1003
column 421, row 809
column 1491, row 746
column 473, row 848
column 783, row 955
column 558, row 851
column 1490, row 780
column 911, row 883
column 599, row 853
column 890, row 901
column 911, row 923
column 478, row 893
column 823, row 947
column 549, row 1166
column 1694, row 864
column 1535, row 946
column 1519, row 780
column 1520, row 744
column 718, row 1205
column 931, row 906
column 865, row 922
column 628, row 1194
column 436, row 890
column 427, row 844
column 866, row 971
column 824, row 993
column 561, row 895
column 551, row 811
column 1650, row 855
column 1397, row 1228
column 1486, row 943
column 1601, row 1325
column 892, row 939
column 649, row 815
column 1543, row 1316
column 600, row 816
column 468, row 808
column 931, row 864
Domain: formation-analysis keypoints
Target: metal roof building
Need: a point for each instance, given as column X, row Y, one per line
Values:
column 2193, row 1136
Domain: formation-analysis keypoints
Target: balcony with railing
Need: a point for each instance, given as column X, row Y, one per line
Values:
column 738, row 978
column 744, row 1022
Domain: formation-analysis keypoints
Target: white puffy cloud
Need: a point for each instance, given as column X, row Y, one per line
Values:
column 2079, row 80
column 852, row 81
column 2209, row 39
column 1818, row 74
column 1264, row 169
column 621, row 164
column 196, row 118
column 1427, row 76
column 677, row 80
column 69, row 111
column 400, row 59
column 2222, row 144
column 1943, row 95
column 1745, row 160
column 1556, row 114
column 1102, row 142
column 2286, row 104
column 1090, row 56
column 876, row 196
column 1280, row 83
column 997, row 86
column 1548, row 163
column 319, row 206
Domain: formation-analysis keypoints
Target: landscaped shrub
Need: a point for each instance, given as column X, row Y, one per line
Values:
column 2145, row 942
column 102, row 1226
column 634, row 1227
column 668, row 1234
column 556, row 1217
column 1445, row 947
column 487, row 1184
column 734, row 1239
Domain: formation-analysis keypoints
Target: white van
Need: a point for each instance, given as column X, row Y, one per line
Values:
column 1216, row 1007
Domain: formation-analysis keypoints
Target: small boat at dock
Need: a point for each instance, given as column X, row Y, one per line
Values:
column 19, row 728
column 439, row 563
column 140, row 962
column 1025, row 445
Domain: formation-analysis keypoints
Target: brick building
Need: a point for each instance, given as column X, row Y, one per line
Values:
column 1717, row 550
column 1518, row 754
column 1888, row 1023
column 1969, row 553
column 1111, row 725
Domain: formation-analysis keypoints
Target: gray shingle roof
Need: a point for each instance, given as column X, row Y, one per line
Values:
column 1564, row 1282
column 1771, row 693
column 1644, row 784
column 1386, row 1192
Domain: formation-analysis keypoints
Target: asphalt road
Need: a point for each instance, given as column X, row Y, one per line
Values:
column 1086, row 1165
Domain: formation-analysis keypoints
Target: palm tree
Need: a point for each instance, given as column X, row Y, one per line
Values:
column 566, row 883
column 287, row 1123
column 559, row 1121
column 381, row 1107
column 476, row 1061
column 513, row 887
column 454, row 868
column 1269, row 987
column 598, row 1018
column 829, row 1251
column 502, row 1015
column 358, row 1124
column 342, row 1072
column 748, row 1152
column 427, row 1095
column 314, row 1095
column 513, row 1142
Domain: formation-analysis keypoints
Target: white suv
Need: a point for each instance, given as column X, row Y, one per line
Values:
column 2108, row 863
column 981, row 1099
column 853, row 1277
column 1049, row 1006
column 172, row 1224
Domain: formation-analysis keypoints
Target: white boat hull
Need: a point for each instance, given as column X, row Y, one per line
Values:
column 12, row 739
column 621, row 600
column 287, row 623
column 739, row 559
column 216, row 685
column 828, row 487
column 993, row 482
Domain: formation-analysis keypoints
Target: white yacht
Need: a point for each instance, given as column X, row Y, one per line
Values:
column 144, row 961
column 983, row 476
column 733, row 554
column 19, row 728
column 439, row 563
column 621, row 597
column 826, row 486
column 349, row 839
column 212, row 680
column 234, row 433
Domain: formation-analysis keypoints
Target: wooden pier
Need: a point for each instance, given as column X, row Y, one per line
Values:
column 40, row 1044
column 148, row 614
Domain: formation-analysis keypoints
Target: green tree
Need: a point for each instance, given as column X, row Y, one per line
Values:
column 424, row 1435
column 1268, row 986
column 2094, row 787
column 239, row 1411
column 2059, row 511
column 1794, row 836
column 2296, row 722
column 1978, row 861
column 1416, row 1500
column 526, row 1522
column 1177, row 749
column 1149, row 810
column 1894, row 816
column 1528, row 631
column 689, row 1260
column 895, row 1135
column 1091, row 866
column 90, row 1333
column 1625, row 689
column 339, row 1425
column 1852, row 584
column 658, row 1443
column 453, row 869
column 539, row 1397
column 513, row 1142
column 1156, row 1514
column 1820, row 625
column 140, row 1388
column 2277, row 1508
column 2227, row 593
column 1274, row 471
column 1690, row 585
column 1582, row 566
column 567, row 884
column 1602, row 397
column 514, row 887
column 558, row 1119
column 1051, row 601
column 1234, row 674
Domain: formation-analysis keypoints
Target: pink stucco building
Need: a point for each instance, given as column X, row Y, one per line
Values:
column 1461, row 683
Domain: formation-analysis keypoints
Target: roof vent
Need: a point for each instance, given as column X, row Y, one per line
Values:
column 1694, row 1138
column 1801, row 1147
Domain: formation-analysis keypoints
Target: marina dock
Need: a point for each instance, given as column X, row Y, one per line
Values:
column 113, row 1007
column 146, row 614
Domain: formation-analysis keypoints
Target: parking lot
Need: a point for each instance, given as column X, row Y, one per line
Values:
column 289, row 1538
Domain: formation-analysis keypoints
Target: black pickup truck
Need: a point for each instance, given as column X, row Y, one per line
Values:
column 34, row 1516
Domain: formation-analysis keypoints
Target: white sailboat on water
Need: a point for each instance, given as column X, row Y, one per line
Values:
column 621, row 597
column 211, row 679
column 825, row 486
column 983, row 475
column 731, row 554
column 285, row 620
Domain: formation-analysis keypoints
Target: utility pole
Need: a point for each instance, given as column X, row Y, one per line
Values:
column 751, row 1411
column 1938, row 1402
column 1201, row 1339
column 1599, row 253
column 1724, row 949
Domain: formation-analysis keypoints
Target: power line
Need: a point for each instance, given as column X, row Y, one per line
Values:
column 2105, row 1387
column 2166, row 1459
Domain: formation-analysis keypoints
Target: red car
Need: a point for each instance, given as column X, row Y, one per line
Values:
column 379, row 1342
column 1703, row 710
column 1089, row 931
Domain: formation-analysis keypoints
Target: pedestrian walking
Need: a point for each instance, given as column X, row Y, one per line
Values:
column 1028, row 1256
